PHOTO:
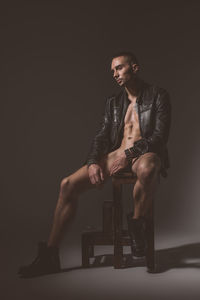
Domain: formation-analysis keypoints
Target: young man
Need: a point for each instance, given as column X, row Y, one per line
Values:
column 133, row 135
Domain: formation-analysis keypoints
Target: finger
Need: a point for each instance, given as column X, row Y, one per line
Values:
column 114, row 172
column 117, row 169
column 97, row 179
column 101, row 175
column 92, row 180
column 111, row 170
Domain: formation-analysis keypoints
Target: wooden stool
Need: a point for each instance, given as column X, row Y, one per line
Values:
column 113, row 232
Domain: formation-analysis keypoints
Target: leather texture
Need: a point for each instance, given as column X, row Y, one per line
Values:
column 154, row 114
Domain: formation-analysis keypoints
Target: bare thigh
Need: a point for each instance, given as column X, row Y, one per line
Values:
column 80, row 179
column 107, row 162
column 147, row 157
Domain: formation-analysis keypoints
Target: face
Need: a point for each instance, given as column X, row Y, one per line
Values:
column 123, row 71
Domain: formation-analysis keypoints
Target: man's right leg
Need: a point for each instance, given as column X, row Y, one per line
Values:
column 70, row 188
column 47, row 260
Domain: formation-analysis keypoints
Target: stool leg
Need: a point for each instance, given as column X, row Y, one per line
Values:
column 108, row 217
column 150, row 251
column 85, row 251
column 91, row 250
column 118, row 248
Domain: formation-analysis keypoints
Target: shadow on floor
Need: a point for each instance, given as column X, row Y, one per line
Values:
column 106, row 260
column 185, row 256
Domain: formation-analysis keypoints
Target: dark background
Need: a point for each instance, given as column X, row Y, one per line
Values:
column 55, row 79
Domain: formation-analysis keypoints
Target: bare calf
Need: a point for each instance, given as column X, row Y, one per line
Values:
column 70, row 189
column 147, row 169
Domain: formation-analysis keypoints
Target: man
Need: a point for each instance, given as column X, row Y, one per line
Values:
column 133, row 135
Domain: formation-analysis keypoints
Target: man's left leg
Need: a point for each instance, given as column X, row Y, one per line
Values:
column 147, row 169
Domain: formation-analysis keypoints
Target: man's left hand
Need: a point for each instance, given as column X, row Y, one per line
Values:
column 120, row 163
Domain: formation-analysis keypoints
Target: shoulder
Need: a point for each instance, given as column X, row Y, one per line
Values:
column 154, row 89
column 162, row 98
column 115, row 99
column 156, row 93
column 162, row 92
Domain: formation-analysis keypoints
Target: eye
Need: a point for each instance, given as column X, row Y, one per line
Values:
column 119, row 67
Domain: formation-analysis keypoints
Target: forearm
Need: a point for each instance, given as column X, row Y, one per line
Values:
column 151, row 144
column 139, row 147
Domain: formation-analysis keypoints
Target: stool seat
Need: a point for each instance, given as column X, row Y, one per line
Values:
column 124, row 177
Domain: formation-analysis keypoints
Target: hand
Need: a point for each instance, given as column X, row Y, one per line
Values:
column 95, row 174
column 120, row 163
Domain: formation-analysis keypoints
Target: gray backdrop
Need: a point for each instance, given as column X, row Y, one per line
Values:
column 56, row 77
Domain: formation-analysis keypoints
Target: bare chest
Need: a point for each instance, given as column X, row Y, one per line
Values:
column 131, row 114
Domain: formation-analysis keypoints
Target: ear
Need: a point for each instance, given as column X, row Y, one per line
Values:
column 135, row 68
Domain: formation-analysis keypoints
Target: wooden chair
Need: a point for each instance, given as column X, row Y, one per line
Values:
column 113, row 232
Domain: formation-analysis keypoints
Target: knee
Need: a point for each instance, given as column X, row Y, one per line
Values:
column 146, row 174
column 66, row 186
column 148, row 169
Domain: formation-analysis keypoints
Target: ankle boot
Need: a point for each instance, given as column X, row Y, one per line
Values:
column 136, row 229
column 47, row 261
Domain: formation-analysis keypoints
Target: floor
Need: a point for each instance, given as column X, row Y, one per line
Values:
column 178, row 277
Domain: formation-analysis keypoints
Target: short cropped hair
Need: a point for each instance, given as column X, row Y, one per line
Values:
column 131, row 57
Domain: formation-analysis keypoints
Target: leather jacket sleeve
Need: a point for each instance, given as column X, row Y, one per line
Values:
column 101, row 141
column 159, row 137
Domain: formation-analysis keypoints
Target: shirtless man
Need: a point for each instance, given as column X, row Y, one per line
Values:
column 133, row 135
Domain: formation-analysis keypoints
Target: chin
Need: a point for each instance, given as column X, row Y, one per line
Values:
column 121, row 84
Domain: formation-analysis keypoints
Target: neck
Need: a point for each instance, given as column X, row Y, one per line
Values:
column 133, row 88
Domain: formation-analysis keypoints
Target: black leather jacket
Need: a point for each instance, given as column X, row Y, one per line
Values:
column 154, row 112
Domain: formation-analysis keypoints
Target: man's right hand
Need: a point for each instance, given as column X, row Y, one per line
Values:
column 95, row 174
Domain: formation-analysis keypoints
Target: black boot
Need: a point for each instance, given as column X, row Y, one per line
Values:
column 46, row 262
column 136, row 229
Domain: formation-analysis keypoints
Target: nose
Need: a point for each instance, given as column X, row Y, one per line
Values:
column 115, row 74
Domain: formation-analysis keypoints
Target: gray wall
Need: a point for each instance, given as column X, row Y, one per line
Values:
column 56, row 66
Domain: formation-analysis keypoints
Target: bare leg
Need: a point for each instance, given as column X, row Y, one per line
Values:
column 71, row 187
column 47, row 260
column 146, row 168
